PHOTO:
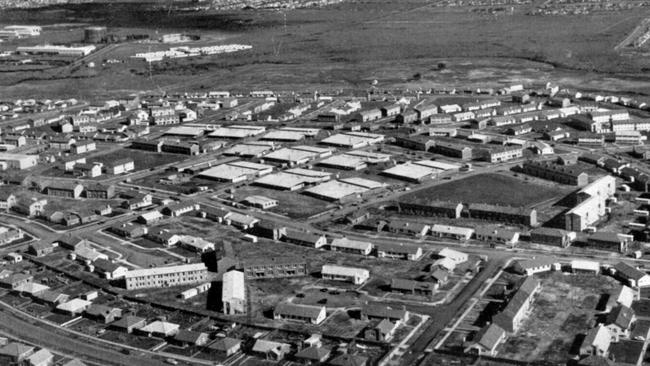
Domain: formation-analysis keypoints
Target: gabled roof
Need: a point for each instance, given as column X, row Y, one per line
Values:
column 40, row 357
column 160, row 327
column 620, row 316
column 102, row 310
column 313, row 353
column 15, row 349
column 224, row 344
column 128, row 321
column 303, row 311
column 349, row 360
column 489, row 336
column 625, row 270
column 188, row 336
column 383, row 311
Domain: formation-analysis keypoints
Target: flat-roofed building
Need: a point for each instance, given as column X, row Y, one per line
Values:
column 250, row 150
column 274, row 267
column 17, row 161
column 236, row 172
column 591, row 204
column 353, row 140
column 348, row 274
column 552, row 236
column 261, row 202
column 410, row 172
column 346, row 162
column 233, row 293
column 166, row 276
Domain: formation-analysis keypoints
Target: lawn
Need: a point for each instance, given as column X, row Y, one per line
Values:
column 564, row 309
column 490, row 188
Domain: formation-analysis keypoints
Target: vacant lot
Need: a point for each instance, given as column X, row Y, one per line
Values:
column 563, row 311
column 489, row 188
column 142, row 159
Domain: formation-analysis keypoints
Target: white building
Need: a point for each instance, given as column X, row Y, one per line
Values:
column 233, row 293
column 347, row 274
column 166, row 276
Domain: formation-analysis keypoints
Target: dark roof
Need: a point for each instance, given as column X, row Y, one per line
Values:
column 627, row 271
column 101, row 310
column 224, row 344
column 187, row 336
column 620, row 316
column 128, row 321
column 313, row 353
column 397, row 248
column 626, row 352
column 384, row 311
column 606, row 236
column 304, row 311
column 489, row 336
column 302, row 236
column 349, row 360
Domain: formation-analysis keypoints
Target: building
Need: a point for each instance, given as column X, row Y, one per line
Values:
column 303, row 313
column 348, row 274
column 453, row 150
column 530, row 267
column 596, row 342
column 511, row 317
column 506, row 214
column 557, row 173
column 102, row 313
column 261, row 202
column 501, row 154
column 271, row 351
column 191, row 338
column 454, row 232
column 630, row 276
column 120, row 166
column 619, row 322
column 410, row 287
column 226, row 346
column 451, row 210
column 610, row 241
column 233, row 293
column 486, row 340
column 274, row 267
column 40, row 249
column 64, row 189
column 591, row 204
column 99, row 191
column 305, row 239
column 129, row 323
column 497, row 235
column 551, row 236
column 77, row 51
column 160, row 328
column 351, row 246
column 399, row 251
column 166, row 276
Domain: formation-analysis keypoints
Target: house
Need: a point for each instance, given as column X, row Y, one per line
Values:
column 440, row 276
column 31, row 208
column 160, row 328
column 486, row 340
column 511, row 317
column 347, row 359
column 411, row 287
column 304, row 239
column 74, row 306
column 357, row 217
column 351, row 246
column 100, row 191
column 226, row 346
column 380, row 330
column 51, row 297
column 192, row 338
column 129, row 323
column 454, row 255
column 348, row 274
column 302, row 313
column 497, row 235
column 431, row 208
column 399, row 251
column 120, row 166
column 14, row 281
column 42, row 357
column 103, row 313
column 40, row 249
column 596, row 342
column 378, row 311
column 64, row 189
column 624, row 296
column 167, row 276
column 313, row 354
column 269, row 229
column 529, row 267
column 619, row 322
column 610, row 241
column 272, row 351
column 407, row 228
column 108, row 269
column 552, row 236
column 630, row 275
column 71, row 242
column 150, row 217
column 135, row 200
column 454, row 232
column 16, row 352
column 129, row 230
column 180, row 208
column 7, row 200
column 261, row 202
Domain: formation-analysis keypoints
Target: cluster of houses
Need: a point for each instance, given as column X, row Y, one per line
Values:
column 18, row 353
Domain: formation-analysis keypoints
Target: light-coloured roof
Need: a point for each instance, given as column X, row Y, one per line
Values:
column 161, row 327
column 369, row 157
column 446, row 252
column 363, row 183
column 233, row 286
column 345, row 161
column 351, row 244
column 284, row 135
column 410, row 171
column 353, row 140
column 452, row 230
column 74, row 305
column 237, row 131
column 335, row 190
column 164, row 270
column 332, row 269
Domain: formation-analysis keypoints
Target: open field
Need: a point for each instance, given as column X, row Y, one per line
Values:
column 492, row 189
column 346, row 45
column 292, row 204
column 141, row 159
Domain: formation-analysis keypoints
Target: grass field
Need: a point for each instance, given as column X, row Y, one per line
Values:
column 349, row 45
column 563, row 310
column 489, row 188
column 141, row 159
